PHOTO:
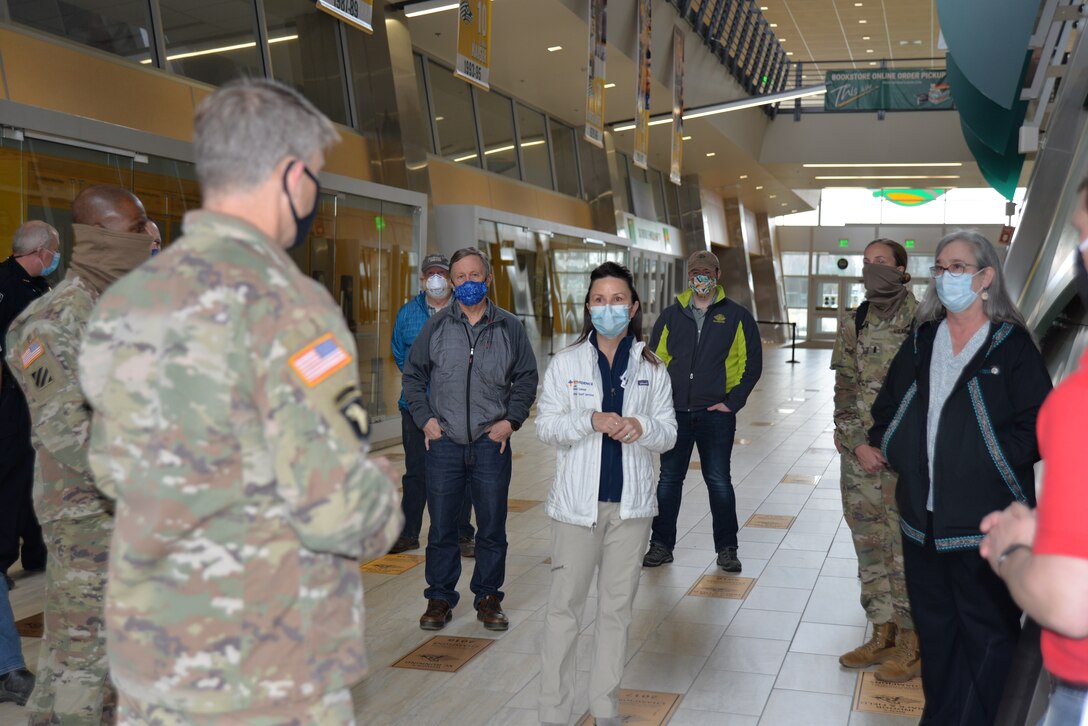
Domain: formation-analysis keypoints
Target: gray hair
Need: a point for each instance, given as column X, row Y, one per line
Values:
column 32, row 236
column 247, row 127
column 469, row 252
column 997, row 306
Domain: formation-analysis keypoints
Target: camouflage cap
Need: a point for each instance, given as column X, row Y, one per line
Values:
column 435, row 260
column 702, row 258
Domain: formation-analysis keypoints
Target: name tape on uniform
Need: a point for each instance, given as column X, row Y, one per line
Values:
column 320, row 359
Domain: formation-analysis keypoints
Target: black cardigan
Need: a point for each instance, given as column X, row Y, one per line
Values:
column 986, row 447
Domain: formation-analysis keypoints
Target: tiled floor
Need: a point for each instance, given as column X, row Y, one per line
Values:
column 770, row 659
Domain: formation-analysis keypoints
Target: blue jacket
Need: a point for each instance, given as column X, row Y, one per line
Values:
column 410, row 319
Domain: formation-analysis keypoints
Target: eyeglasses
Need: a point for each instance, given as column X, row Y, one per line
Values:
column 956, row 269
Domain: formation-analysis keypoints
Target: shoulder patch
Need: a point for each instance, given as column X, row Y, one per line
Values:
column 350, row 403
column 320, row 359
column 32, row 352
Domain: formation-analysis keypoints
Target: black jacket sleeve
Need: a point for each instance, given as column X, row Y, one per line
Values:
column 901, row 375
column 417, row 374
column 523, row 376
column 753, row 366
column 1029, row 385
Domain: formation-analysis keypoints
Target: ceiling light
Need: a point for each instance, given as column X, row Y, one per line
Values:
column 866, row 37
column 774, row 25
column 862, row 22
column 886, row 165
column 758, row 188
column 553, row 48
column 857, row 5
column 466, row 157
column 439, row 118
column 685, row 138
column 738, row 105
column 764, row 7
column 710, row 153
column 793, row 211
column 789, row 52
column 222, row 49
column 784, row 204
column 772, row 196
column 872, row 63
column 883, row 177
column 426, row 8
column 610, row 85
column 743, row 176
column 868, row 50
column 538, row 142
column 781, row 40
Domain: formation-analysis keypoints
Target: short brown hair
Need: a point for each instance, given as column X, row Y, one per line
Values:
column 469, row 252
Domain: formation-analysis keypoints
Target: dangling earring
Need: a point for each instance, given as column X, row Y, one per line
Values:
column 985, row 295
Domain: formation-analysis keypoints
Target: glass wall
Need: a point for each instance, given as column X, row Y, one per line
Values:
column 454, row 117
column 364, row 251
column 566, row 158
column 121, row 27
column 212, row 42
column 853, row 205
column 533, row 141
column 497, row 127
column 305, row 51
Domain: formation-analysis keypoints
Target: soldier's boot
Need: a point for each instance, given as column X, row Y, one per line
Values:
column 879, row 647
column 905, row 663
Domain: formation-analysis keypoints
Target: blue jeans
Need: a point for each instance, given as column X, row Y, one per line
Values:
column 11, row 650
column 414, row 482
column 712, row 432
column 452, row 470
column 1067, row 707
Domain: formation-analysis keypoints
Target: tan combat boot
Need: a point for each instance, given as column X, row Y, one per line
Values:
column 879, row 647
column 905, row 663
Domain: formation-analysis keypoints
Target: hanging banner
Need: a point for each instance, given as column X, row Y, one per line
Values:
column 594, row 133
column 916, row 89
column 474, row 42
column 357, row 13
column 677, row 104
column 642, row 88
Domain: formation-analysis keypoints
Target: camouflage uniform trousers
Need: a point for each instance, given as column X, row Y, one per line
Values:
column 73, row 686
column 868, row 503
column 334, row 709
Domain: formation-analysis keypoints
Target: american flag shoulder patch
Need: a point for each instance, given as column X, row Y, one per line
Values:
column 33, row 352
column 320, row 359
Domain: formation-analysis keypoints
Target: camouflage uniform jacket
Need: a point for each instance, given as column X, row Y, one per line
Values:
column 861, row 365
column 42, row 351
column 228, row 425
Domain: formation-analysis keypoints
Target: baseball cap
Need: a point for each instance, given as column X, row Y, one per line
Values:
column 435, row 260
column 702, row 258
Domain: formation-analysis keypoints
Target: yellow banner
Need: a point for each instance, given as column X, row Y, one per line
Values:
column 357, row 13
column 642, row 89
column 677, row 104
column 594, row 133
column 474, row 42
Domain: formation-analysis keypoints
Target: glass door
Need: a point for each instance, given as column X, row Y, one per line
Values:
column 829, row 298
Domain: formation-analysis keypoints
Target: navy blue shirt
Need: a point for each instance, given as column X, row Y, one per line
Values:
column 612, row 380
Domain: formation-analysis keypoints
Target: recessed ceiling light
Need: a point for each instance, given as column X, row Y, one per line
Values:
column 758, row 188
column 439, row 118
column 743, row 176
column 789, row 52
column 872, row 177
column 774, row 25
column 781, row 40
column 857, row 5
column 610, row 85
column 553, row 48
column 783, row 204
column 872, row 63
column 686, row 138
column 426, row 8
column 764, row 7
column 772, row 196
column 862, row 22
column 868, row 50
column 710, row 153
column 793, row 211
column 883, row 165
column 866, row 37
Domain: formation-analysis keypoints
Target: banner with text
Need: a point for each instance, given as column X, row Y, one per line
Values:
column 357, row 13
column 642, row 88
column 914, row 89
column 677, row 104
column 474, row 42
column 595, row 72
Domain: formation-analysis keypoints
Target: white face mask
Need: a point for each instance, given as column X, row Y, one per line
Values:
column 438, row 287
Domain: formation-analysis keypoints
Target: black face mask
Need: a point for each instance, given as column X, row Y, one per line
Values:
column 302, row 224
column 1081, row 277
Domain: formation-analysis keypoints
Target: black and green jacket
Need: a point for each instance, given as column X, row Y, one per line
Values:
column 721, row 365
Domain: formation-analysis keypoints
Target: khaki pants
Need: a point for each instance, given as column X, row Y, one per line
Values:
column 333, row 709
column 615, row 548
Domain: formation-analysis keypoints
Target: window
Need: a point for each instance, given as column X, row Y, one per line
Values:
column 453, row 116
column 497, row 126
column 795, row 263
column 534, row 147
column 305, row 50
column 566, row 159
column 659, row 196
column 211, row 42
column 121, row 27
column 424, row 104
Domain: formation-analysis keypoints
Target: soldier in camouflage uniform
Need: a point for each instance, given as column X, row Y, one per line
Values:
column 861, row 361
column 228, row 425
column 43, row 344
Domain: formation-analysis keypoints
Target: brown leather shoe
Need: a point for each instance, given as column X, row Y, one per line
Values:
column 489, row 612
column 438, row 614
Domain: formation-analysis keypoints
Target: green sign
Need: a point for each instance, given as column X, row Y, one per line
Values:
column 909, row 244
column 915, row 89
column 844, row 243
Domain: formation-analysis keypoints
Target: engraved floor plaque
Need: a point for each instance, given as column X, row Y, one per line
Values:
column 392, row 564
column 32, row 626
column 521, row 505
column 646, row 708
column 720, row 586
column 769, row 521
column 444, row 654
column 799, row 479
column 893, row 699
column 762, row 423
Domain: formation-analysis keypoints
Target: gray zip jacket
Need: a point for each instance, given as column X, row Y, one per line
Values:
column 470, row 378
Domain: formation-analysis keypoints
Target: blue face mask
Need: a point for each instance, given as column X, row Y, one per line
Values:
column 470, row 292
column 609, row 320
column 955, row 293
column 52, row 265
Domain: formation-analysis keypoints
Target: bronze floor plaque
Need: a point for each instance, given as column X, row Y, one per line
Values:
column 444, row 653
column 893, row 699
column 728, row 588
column 762, row 423
column 392, row 564
column 521, row 505
column 799, row 479
column 32, row 626
column 651, row 708
column 769, row 521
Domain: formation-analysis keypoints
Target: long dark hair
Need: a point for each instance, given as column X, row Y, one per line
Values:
column 634, row 327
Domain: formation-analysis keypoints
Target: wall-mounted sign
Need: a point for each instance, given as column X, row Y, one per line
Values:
column 357, row 13
column 902, row 89
column 648, row 235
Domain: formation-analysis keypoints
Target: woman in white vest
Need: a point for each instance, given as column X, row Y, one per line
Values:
column 606, row 406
